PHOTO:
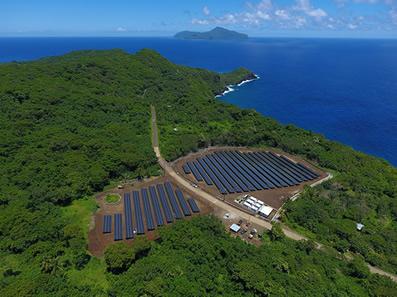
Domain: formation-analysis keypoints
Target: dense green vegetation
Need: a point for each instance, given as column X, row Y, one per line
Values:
column 70, row 125
column 197, row 258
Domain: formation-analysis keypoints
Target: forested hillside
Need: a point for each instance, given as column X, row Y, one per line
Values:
column 364, row 189
column 70, row 125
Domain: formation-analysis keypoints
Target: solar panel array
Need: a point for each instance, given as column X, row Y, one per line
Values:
column 237, row 172
column 118, row 227
column 149, row 208
column 128, row 216
column 107, row 224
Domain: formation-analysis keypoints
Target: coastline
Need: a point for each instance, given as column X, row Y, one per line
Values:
column 231, row 88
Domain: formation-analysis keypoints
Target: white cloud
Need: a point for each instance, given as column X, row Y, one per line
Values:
column 306, row 7
column 302, row 14
column 317, row 13
column 121, row 29
column 263, row 15
column 200, row 22
column 282, row 14
column 206, row 10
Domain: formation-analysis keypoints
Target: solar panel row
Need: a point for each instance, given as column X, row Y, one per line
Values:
column 156, row 205
column 107, row 224
column 216, row 181
column 164, row 203
column 193, row 205
column 236, row 172
column 140, row 228
column 172, row 199
column 186, row 169
column 118, row 227
column 182, row 202
column 128, row 216
column 195, row 172
column 147, row 210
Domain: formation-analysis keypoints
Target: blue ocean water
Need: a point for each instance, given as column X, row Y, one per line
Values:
column 344, row 89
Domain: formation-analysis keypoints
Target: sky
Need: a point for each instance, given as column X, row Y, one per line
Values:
column 258, row 18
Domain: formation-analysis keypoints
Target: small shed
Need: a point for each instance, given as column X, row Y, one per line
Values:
column 235, row 228
column 359, row 226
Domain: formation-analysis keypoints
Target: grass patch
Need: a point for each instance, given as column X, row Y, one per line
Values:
column 80, row 212
column 112, row 198
column 92, row 275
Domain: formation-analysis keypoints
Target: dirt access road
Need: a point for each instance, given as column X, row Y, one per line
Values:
column 204, row 195
column 226, row 207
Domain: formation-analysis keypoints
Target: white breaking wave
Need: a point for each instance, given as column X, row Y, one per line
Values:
column 230, row 88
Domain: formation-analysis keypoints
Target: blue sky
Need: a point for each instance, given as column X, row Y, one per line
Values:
column 298, row 18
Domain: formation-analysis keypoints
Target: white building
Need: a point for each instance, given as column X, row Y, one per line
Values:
column 235, row 228
column 265, row 211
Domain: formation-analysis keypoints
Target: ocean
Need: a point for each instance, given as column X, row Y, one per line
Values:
column 345, row 89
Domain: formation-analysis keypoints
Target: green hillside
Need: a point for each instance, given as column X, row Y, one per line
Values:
column 71, row 125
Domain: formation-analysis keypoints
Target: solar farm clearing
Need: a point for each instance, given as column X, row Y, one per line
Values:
column 265, row 178
column 144, row 208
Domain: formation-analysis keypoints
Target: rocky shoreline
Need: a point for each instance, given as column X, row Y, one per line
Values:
column 230, row 88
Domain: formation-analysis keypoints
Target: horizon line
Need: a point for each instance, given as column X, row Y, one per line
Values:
column 172, row 37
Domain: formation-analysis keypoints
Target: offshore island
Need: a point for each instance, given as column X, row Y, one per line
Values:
column 217, row 33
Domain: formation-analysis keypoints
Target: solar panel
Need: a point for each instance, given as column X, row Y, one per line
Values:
column 156, row 205
column 224, row 174
column 182, row 202
column 308, row 170
column 255, row 170
column 217, row 183
column 107, row 224
column 294, row 167
column 277, row 178
column 195, row 172
column 140, row 229
column 204, row 175
column 193, row 205
column 237, row 171
column 227, row 170
column 128, row 217
column 261, row 174
column 267, row 171
column 172, row 199
column 286, row 168
column 147, row 210
column 269, row 164
column 301, row 168
column 118, row 227
column 243, row 171
column 186, row 169
column 276, row 166
column 250, row 170
column 164, row 203
column 219, row 176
